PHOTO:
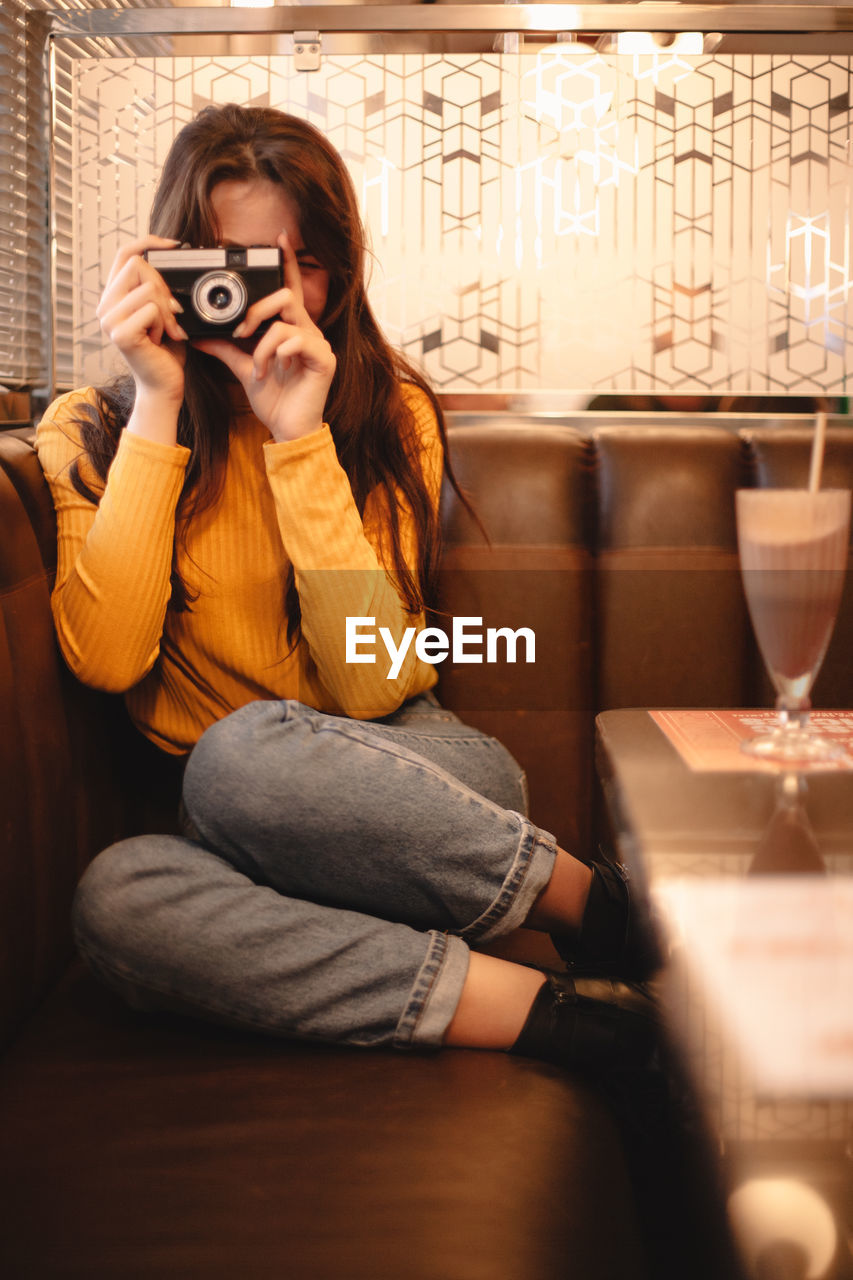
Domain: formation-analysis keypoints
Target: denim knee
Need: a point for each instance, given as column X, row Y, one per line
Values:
column 103, row 901
column 221, row 749
column 224, row 768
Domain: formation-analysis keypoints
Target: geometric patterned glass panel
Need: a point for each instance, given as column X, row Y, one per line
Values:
column 551, row 220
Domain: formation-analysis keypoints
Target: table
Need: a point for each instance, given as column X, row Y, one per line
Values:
column 671, row 819
column 759, row 989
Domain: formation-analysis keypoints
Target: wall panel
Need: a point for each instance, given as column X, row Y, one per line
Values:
column 551, row 220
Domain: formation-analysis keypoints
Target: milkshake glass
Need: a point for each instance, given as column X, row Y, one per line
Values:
column 793, row 546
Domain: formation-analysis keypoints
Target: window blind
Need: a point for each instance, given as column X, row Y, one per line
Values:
column 23, row 204
column 25, row 268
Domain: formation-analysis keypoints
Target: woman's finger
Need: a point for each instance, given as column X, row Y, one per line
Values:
column 147, row 291
column 237, row 360
column 266, row 347
column 146, row 324
column 131, row 302
column 134, row 273
column 291, row 342
column 135, row 249
column 281, row 304
column 292, row 274
column 286, row 350
column 288, row 302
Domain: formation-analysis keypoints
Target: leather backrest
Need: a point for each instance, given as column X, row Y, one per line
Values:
column 529, row 484
column 59, row 800
column 672, row 622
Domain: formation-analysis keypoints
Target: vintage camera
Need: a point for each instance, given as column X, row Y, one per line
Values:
column 216, row 287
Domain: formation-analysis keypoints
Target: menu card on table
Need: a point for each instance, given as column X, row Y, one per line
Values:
column 774, row 958
column 709, row 741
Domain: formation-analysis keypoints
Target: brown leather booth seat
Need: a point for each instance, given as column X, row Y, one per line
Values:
column 139, row 1146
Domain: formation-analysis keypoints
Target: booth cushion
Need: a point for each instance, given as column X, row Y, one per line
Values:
column 141, row 1147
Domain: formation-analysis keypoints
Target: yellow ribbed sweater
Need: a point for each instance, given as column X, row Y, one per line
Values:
column 281, row 503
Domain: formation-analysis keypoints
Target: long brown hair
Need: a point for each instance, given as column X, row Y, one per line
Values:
column 372, row 426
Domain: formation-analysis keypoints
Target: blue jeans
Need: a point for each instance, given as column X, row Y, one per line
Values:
column 334, row 874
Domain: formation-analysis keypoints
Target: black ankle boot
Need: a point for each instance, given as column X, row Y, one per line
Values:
column 590, row 1024
column 617, row 936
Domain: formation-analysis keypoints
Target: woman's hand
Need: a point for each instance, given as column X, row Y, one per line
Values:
column 288, row 373
column 138, row 314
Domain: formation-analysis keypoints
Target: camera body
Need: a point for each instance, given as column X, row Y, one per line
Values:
column 216, row 287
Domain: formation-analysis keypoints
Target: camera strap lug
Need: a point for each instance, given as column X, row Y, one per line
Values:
column 306, row 50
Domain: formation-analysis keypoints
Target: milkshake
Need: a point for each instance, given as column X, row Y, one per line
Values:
column 793, row 552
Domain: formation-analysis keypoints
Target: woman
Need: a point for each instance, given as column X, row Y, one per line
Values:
column 222, row 511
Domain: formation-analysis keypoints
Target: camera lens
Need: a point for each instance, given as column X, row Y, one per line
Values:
column 220, row 297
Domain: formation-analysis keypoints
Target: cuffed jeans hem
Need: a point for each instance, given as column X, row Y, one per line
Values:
column 528, row 876
column 435, row 995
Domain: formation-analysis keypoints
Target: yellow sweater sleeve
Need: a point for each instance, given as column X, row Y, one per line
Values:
column 342, row 571
column 114, row 559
